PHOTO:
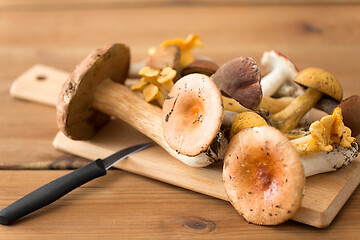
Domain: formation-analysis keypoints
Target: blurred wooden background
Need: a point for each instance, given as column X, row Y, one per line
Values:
column 324, row 34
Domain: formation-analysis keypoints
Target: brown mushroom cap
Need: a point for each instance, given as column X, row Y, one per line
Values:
column 240, row 79
column 263, row 175
column 192, row 114
column 351, row 113
column 320, row 80
column 165, row 56
column 203, row 66
column 76, row 116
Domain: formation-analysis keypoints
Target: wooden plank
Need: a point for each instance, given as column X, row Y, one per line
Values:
column 325, row 194
column 23, row 5
column 122, row 205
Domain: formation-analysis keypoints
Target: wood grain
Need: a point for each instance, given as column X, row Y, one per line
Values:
column 127, row 206
column 323, row 34
column 325, row 194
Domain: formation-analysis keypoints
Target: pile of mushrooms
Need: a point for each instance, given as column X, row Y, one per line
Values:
column 201, row 113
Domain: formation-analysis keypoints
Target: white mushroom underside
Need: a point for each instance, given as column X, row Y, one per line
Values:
column 215, row 152
column 315, row 163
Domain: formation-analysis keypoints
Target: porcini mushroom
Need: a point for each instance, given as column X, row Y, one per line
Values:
column 272, row 105
column 93, row 93
column 163, row 57
column 201, row 65
column 240, row 80
column 281, row 70
column 263, row 176
column 319, row 82
column 192, row 115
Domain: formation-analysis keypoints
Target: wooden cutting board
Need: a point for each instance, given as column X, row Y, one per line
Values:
column 325, row 194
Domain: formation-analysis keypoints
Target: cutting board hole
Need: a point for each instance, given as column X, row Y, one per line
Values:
column 41, row 77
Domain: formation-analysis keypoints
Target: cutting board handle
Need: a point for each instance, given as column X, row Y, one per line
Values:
column 40, row 84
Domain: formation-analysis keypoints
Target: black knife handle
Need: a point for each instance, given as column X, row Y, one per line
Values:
column 51, row 192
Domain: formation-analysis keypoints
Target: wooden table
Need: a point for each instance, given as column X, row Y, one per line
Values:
column 123, row 205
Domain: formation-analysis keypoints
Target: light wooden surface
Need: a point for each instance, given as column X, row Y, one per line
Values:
column 325, row 194
column 60, row 35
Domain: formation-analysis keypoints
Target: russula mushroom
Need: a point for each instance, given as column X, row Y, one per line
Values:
column 240, row 80
column 246, row 120
column 201, row 65
column 192, row 115
column 318, row 83
column 281, row 70
column 263, row 176
column 350, row 110
column 93, row 92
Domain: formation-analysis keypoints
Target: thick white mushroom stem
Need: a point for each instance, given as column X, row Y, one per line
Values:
column 290, row 117
column 119, row 101
column 282, row 70
column 320, row 162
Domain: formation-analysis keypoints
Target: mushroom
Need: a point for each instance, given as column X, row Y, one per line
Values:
column 93, row 92
column 246, row 120
column 263, row 176
column 163, row 57
column 329, row 145
column 186, row 46
column 240, row 80
column 319, row 82
column 272, row 105
column 201, row 65
column 282, row 70
column 155, row 84
column 350, row 109
column 192, row 115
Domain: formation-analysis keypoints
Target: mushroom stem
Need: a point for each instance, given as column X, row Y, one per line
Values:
column 320, row 162
column 271, row 82
column 119, row 101
column 289, row 117
column 327, row 104
column 272, row 105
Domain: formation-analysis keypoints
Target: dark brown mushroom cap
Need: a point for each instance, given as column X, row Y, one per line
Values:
column 203, row 66
column 263, row 175
column 240, row 80
column 76, row 116
column 351, row 113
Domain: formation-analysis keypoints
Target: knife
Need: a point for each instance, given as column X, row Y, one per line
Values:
column 54, row 190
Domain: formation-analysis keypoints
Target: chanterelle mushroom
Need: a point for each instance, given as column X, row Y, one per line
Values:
column 263, row 176
column 155, row 84
column 186, row 46
column 192, row 116
column 319, row 82
column 350, row 110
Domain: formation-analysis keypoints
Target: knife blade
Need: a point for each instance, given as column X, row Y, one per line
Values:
column 54, row 190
